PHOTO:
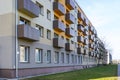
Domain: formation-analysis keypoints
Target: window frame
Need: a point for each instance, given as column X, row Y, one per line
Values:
column 48, row 14
column 48, row 58
column 41, row 29
column 39, row 54
column 26, row 59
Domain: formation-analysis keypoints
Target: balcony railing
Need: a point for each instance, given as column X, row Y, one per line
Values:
column 58, row 42
column 80, row 16
column 58, row 26
column 29, row 8
column 80, row 28
column 58, row 8
column 80, row 50
column 80, row 39
column 70, row 4
column 27, row 32
column 69, row 18
column 69, row 32
column 69, row 47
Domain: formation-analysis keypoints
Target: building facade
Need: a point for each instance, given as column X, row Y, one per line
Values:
column 42, row 37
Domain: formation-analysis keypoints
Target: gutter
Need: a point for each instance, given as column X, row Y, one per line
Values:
column 16, row 41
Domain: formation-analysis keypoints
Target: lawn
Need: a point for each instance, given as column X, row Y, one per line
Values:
column 108, row 72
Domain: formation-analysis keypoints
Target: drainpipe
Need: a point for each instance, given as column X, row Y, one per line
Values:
column 16, row 41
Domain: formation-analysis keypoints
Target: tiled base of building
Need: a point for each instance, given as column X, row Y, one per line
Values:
column 10, row 73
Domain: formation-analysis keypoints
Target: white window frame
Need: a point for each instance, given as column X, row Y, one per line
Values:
column 24, row 53
column 48, row 14
column 48, row 34
column 62, row 57
column 38, row 55
column 56, row 57
column 41, row 29
column 41, row 7
column 48, row 56
column 67, row 58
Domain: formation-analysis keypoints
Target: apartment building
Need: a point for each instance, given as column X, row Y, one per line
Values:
column 45, row 36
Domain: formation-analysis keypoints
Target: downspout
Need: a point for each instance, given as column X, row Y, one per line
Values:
column 16, row 40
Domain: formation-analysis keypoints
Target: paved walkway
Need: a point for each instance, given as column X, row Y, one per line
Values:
column 118, row 71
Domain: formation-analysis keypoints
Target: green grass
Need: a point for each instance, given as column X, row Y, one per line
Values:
column 108, row 72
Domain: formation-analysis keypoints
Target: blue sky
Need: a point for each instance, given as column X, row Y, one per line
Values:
column 105, row 16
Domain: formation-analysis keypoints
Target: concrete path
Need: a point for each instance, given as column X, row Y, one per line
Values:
column 118, row 71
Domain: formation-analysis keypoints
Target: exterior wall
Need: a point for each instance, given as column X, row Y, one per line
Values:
column 7, row 34
column 31, row 68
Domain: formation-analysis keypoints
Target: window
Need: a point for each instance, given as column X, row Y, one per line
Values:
column 38, row 55
column 24, row 21
column 41, row 29
column 48, row 34
column 48, row 56
column 72, row 56
column 24, row 54
column 41, row 8
column 48, row 15
column 56, row 57
column 79, row 60
column 75, row 58
column 67, row 58
column 62, row 57
column 72, row 42
column 56, row 35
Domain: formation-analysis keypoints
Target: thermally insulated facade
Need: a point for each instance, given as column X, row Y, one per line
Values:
column 48, row 36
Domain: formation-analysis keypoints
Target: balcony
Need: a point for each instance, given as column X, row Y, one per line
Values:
column 69, row 32
column 80, row 39
column 80, row 28
column 58, row 26
column 70, row 4
column 58, row 42
column 27, row 32
column 80, row 50
column 80, row 16
column 29, row 8
column 58, row 8
column 69, row 18
column 69, row 47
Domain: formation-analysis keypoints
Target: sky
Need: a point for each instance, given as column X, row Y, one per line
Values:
column 105, row 17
